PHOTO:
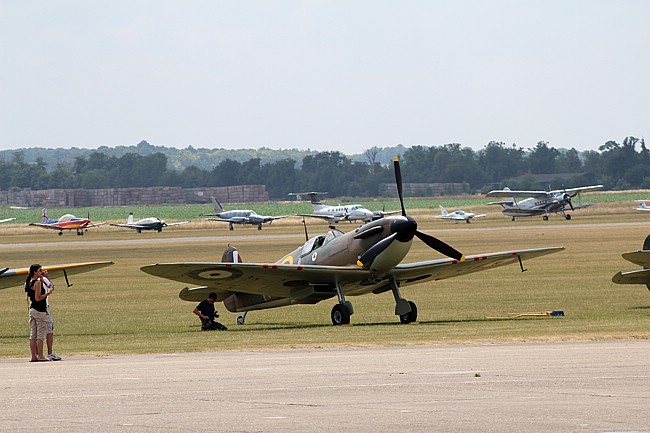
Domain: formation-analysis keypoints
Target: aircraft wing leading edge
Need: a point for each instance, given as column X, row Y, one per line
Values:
column 16, row 277
column 283, row 280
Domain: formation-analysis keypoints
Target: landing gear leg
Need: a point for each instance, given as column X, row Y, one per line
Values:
column 259, row 226
column 230, row 227
column 406, row 310
column 342, row 311
column 241, row 319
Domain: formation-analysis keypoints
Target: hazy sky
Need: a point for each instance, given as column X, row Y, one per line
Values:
column 325, row 75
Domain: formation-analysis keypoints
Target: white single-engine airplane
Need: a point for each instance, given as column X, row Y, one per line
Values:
column 642, row 206
column 641, row 258
column 457, row 215
column 336, row 214
column 240, row 216
column 16, row 277
column 151, row 223
column 539, row 202
column 336, row 265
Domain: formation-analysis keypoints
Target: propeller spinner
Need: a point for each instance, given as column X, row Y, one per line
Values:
column 403, row 229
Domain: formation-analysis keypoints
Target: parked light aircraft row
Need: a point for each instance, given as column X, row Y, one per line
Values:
column 533, row 203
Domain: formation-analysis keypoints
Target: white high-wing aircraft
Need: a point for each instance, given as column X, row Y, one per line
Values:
column 539, row 202
column 240, row 216
column 336, row 214
column 457, row 215
column 642, row 206
column 7, row 220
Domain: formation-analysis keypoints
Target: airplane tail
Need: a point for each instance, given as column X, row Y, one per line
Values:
column 129, row 220
column 231, row 255
column 217, row 205
column 443, row 211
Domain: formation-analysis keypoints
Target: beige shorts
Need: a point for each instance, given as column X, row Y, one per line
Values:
column 50, row 324
column 37, row 324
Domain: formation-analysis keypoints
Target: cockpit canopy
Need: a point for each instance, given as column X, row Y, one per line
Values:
column 319, row 241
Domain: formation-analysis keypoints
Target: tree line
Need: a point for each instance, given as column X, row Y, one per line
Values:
column 618, row 166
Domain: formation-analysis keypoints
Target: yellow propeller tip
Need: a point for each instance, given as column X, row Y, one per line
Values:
column 462, row 258
column 395, row 159
column 359, row 263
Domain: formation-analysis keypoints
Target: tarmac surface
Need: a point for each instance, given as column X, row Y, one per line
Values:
column 560, row 387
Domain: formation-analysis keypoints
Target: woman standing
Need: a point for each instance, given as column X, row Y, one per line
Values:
column 37, row 312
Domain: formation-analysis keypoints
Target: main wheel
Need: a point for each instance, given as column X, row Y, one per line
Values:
column 567, row 216
column 240, row 320
column 411, row 316
column 545, row 217
column 340, row 315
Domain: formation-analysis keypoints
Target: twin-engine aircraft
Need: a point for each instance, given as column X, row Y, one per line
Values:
column 457, row 215
column 336, row 265
column 151, row 223
column 641, row 258
column 337, row 214
column 539, row 202
column 16, row 277
column 6, row 220
column 240, row 216
column 66, row 222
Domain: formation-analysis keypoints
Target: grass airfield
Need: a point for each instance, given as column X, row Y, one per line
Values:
column 120, row 309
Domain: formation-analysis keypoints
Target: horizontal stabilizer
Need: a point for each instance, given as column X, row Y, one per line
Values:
column 641, row 258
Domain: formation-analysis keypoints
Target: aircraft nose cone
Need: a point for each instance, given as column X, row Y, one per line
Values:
column 405, row 227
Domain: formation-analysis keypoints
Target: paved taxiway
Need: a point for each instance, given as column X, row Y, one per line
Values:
column 590, row 387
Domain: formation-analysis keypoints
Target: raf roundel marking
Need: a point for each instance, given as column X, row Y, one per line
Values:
column 216, row 274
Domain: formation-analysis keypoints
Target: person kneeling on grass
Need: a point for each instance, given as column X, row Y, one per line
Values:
column 206, row 312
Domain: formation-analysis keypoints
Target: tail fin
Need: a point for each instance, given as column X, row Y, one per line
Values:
column 217, row 205
column 129, row 219
column 231, row 255
column 313, row 197
column 443, row 211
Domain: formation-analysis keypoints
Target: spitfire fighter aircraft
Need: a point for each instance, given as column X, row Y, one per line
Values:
column 539, row 202
column 66, row 222
column 457, row 215
column 641, row 258
column 240, row 216
column 642, row 206
column 336, row 265
column 336, row 214
column 16, row 277
column 151, row 223
column 7, row 220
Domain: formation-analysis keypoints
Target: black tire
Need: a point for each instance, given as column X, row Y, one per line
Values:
column 567, row 217
column 411, row 316
column 340, row 315
column 545, row 217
